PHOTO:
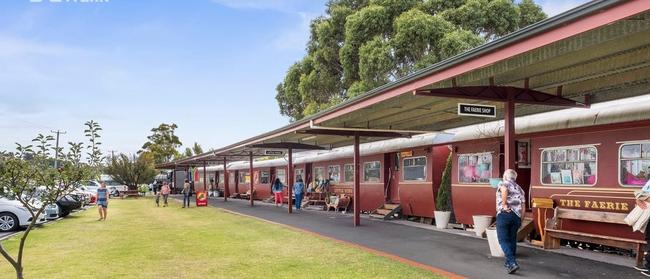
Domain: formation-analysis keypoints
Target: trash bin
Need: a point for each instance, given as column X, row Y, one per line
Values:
column 493, row 241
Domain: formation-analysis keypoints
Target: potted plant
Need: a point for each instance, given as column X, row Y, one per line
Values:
column 443, row 198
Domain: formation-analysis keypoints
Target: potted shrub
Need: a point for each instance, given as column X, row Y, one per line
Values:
column 443, row 198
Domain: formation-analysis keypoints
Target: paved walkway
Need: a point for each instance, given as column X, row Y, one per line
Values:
column 462, row 255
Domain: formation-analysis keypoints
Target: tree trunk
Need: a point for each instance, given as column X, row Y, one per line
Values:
column 19, row 272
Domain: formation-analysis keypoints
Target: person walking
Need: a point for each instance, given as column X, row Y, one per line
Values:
column 158, row 194
column 510, row 201
column 299, row 191
column 165, row 192
column 642, row 202
column 102, row 200
column 186, row 193
column 277, row 191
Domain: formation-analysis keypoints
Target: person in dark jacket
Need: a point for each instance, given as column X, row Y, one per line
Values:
column 299, row 192
column 277, row 188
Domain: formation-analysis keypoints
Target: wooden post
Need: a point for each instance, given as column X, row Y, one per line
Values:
column 356, row 199
column 290, row 178
column 509, row 134
column 205, row 174
column 250, row 176
column 226, row 191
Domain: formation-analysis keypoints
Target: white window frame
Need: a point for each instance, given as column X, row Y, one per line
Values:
column 277, row 175
column 268, row 174
column 314, row 173
column 243, row 176
column 541, row 164
column 426, row 165
column 620, row 149
column 473, row 154
column 352, row 180
column 329, row 168
column 364, row 171
column 302, row 174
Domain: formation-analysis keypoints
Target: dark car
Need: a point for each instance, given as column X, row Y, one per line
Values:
column 68, row 203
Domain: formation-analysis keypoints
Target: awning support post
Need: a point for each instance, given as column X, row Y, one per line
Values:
column 356, row 199
column 509, row 134
column 250, row 176
column 290, row 177
column 226, row 190
column 204, row 177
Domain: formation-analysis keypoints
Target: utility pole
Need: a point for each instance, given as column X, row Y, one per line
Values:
column 56, row 149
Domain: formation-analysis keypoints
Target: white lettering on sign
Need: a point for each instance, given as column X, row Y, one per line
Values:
column 476, row 110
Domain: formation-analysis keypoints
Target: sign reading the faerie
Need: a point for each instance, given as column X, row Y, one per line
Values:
column 477, row 110
column 273, row 152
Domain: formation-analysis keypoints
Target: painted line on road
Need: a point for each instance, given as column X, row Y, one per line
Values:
column 355, row 245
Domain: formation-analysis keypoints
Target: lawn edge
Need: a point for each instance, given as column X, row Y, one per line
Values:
column 373, row 251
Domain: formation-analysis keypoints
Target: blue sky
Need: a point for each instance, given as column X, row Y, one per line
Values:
column 210, row 66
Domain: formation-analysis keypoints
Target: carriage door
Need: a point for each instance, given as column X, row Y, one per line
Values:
column 391, row 177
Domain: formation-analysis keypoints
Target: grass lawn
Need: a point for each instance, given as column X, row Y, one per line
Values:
column 142, row 241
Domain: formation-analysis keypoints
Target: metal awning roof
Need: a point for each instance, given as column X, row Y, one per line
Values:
column 601, row 49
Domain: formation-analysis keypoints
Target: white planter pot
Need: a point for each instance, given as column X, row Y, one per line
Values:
column 442, row 218
column 481, row 222
column 493, row 241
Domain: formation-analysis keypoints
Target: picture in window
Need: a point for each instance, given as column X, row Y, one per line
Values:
column 334, row 173
column 635, row 164
column 475, row 168
column 415, row 169
column 319, row 175
column 265, row 178
column 244, row 177
column 569, row 166
column 372, row 171
column 348, row 175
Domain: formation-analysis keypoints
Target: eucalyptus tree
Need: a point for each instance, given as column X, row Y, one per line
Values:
column 361, row 44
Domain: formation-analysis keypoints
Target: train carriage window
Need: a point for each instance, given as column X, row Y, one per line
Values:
column 634, row 164
column 244, row 177
column 221, row 179
column 319, row 175
column 569, row 165
column 334, row 173
column 348, row 176
column 281, row 173
column 372, row 171
column 474, row 168
column 265, row 178
column 415, row 169
column 299, row 174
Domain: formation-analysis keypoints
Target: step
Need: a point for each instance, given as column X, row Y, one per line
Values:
column 383, row 212
column 391, row 206
column 376, row 216
column 527, row 227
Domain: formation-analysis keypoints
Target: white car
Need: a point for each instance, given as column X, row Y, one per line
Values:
column 13, row 215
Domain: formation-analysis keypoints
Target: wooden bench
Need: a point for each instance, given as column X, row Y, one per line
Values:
column 130, row 193
column 554, row 232
column 247, row 195
column 314, row 198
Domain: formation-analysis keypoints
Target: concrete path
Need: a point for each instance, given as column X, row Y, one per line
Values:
column 462, row 255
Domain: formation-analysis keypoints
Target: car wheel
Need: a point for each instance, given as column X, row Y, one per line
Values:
column 8, row 222
column 64, row 213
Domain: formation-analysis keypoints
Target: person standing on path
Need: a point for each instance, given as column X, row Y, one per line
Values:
column 165, row 192
column 102, row 200
column 510, row 200
column 299, row 191
column 642, row 202
column 186, row 193
column 277, row 191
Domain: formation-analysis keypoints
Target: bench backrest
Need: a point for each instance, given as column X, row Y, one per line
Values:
column 588, row 215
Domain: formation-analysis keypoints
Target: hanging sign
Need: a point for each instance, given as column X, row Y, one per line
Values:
column 477, row 110
column 273, row 152
column 201, row 198
column 405, row 154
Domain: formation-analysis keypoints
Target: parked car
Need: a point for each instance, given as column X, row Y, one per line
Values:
column 51, row 212
column 13, row 215
column 68, row 203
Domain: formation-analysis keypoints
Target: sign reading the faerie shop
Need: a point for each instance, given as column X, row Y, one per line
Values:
column 477, row 110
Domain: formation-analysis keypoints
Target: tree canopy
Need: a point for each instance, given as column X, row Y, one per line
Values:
column 162, row 143
column 361, row 44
